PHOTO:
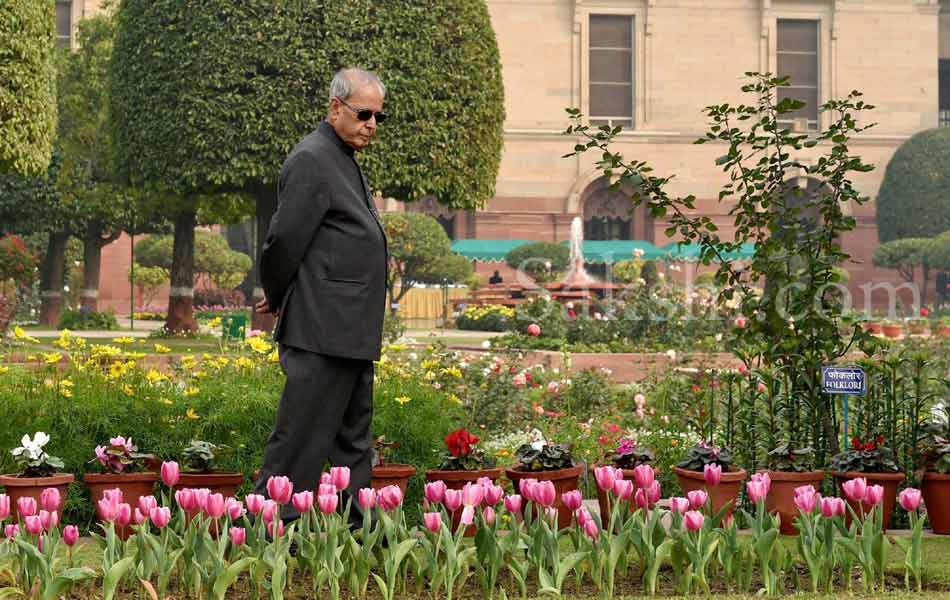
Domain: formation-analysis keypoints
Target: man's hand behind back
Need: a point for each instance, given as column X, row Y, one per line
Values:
column 263, row 308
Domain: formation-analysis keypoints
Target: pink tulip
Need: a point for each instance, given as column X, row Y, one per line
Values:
column 583, row 516
column 494, row 494
column 642, row 499
column 280, row 528
column 389, row 497
column 107, row 510
column 644, row 476
column 11, row 530
column 653, row 492
column 160, row 516
column 874, row 495
column 544, row 493
column 679, row 505
column 452, row 500
column 623, row 489
column 201, row 498
column 910, row 499
column 489, row 515
column 238, row 536
column 534, row 330
column 26, row 506
column 280, row 489
column 214, row 507
column 513, row 504
column 468, row 515
column 147, row 503
column 303, row 501
column 367, row 498
column 757, row 491
column 433, row 521
column 473, row 494
column 523, row 486
column 70, row 535
column 741, row 322
column 761, row 388
column 326, row 488
column 49, row 519
column 270, row 510
column 854, row 489
column 50, row 499
column 572, row 500
column 340, row 477
column 33, row 524
column 551, row 513
column 830, row 507
column 186, row 499
column 325, row 478
column 590, row 529
column 713, row 474
column 234, row 508
column 697, row 498
column 4, row 507
column 114, row 495
column 123, row 515
column 137, row 517
column 693, row 520
column 605, row 477
column 254, row 502
column 170, row 473
column 806, row 499
column 764, row 479
column 484, row 481
column 327, row 503
column 435, row 492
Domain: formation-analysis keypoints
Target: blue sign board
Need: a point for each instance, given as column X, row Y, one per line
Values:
column 843, row 380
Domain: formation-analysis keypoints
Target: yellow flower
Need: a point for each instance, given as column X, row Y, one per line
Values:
column 191, row 414
column 30, row 357
column 455, row 398
column 153, row 376
column 402, row 399
column 162, row 349
column 191, row 391
column 215, row 322
column 188, row 362
column 166, row 401
column 453, row 371
column 19, row 334
column 64, row 339
column 52, row 358
column 258, row 345
column 243, row 362
column 124, row 340
column 127, row 390
column 3, row 370
column 273, row 357
column 66, row 383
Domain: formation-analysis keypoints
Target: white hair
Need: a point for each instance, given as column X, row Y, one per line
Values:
column 347, row 81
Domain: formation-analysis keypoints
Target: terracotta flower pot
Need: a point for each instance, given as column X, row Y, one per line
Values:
column 456, row 480
column 727, row 491
column 917, row 328
column 781, row 498
column 564, row 480
column 22, row 487
column 133, row 486
column 892, row 331
column 890, row 482
column 225, row 483
column 392, row 474
column 944, row 330
column 874, row 327
column 936, row 490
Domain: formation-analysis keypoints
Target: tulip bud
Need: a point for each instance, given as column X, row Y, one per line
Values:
column 50, row 499
column 4, row 507
column 234, row 508
column 280, row 489
column 170, row 473
column 590, row 529
column 697, row 498
column 855, row 489
column 488, row 514
column 390, row 497
column 435, row 492
column 238, row 535
column 433, row 521
column 679, row 505
column 545, row 494
column 693, row 520
column 473, row 494
column 186, row 500
column 340, row 477
column 26, row 506
column 123, row 515
column 452, row 500
column 327, row 503
column 468, row 515
column 11, row 530
column 70, row 535
column 201, row 498
column 160, row 516
column 910, row 499
column 137, row 517
column 572, row 500
column 644, row 475
column 367, row 498
column 494, row 494
column 303, row 501
column 513, row 504
column 605, row 478
column 270, row 510
column 873, row 495
column 33, row 524
column 147, row 503
column 326, row 488
column 713, row 474
column 254, row 502
column 214, row 506
column 623, row 489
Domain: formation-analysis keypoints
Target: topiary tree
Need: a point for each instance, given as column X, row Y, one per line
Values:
column 905, row 255
column 914, row 198
column 543, row 261
column 27, row 86
column 213, row 259
column 419, row 251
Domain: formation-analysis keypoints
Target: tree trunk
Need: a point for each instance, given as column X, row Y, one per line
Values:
column 51, row 279
column 92, row 245
column 266, row 207
column 923, row 292
column 181, row 312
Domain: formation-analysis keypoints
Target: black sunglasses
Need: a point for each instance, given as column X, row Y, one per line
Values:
column 364, row 114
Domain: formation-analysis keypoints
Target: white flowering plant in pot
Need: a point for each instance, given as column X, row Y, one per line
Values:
column 31, row 458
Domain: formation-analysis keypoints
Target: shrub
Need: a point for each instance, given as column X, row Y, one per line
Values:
column 534, row 259
column 649, row 273
column 218, row 297
column 488, row 317
column 549, row 315
column 16, row 260
column 590, row 394
column 78, row 320
column 394, row 327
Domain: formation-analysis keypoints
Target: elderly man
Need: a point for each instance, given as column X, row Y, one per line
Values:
column 323, row 270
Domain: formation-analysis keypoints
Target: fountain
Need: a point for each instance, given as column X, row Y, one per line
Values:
column 577, row 276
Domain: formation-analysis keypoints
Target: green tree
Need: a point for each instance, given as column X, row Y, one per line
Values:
column 914, row 198
column 904, row 256
column 148, row 280
column 543, row 261
column 27, row 86
column 450, row 268
column 213, row 258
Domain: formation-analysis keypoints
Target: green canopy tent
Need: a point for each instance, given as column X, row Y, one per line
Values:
column 611, row 251
column 677, row 251
column 486, row 250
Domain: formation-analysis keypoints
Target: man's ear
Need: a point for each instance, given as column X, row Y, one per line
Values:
column 334, row 111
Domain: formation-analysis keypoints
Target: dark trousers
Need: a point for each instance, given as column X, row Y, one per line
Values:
column 325, row 414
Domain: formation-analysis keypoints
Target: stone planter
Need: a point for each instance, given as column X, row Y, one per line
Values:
column 132, row 485
column 392, row 474
column 564, row 480
column 781, row 498
column 936, row 490
column 456, row 480
column 727, row 490
column 890, row 482
column 22, row 487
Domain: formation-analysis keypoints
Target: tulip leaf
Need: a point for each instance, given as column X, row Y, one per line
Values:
column 114, row 575
column 230, row 575
column 64, row 580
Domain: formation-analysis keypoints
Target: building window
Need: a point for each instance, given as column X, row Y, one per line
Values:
column 611, row 70
column 448, row 224
column 64, row 23
column 797, row 58
column 607, row 214
column 944, row 95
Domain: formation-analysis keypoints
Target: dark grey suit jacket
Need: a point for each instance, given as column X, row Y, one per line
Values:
column 324, row 262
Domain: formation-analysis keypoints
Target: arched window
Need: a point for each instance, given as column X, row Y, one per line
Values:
column 799, row 195
column 444, row 215
column 607, row 213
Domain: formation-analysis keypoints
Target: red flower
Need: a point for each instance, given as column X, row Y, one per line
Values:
column 613, row 427
column 924, row 311
column 869, row 446
column 879, row 440
column 856, row 443
column 460, row 442
column 696, row 389
column 603, row 440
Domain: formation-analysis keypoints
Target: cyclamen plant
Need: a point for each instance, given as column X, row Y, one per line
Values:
column 870, row 456
column 120, row 456
column 464, row 453
column 31, row 458
column 703, row 454
column 629, row 455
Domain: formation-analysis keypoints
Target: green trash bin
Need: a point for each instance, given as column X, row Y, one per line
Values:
column 233, row 326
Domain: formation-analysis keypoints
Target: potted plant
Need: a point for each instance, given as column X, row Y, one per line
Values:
column 542, row 461
column 892, row 329
column 935, row 480
column 691, row 474
column 876, row 463
column 917, row 326
column 789, row 468
column 37, row 470
column 198, row 460
column 627, row 456
column 944, row 326
column 123, row 468
column 386, row 473
column 463, row 462
column 874, row 326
